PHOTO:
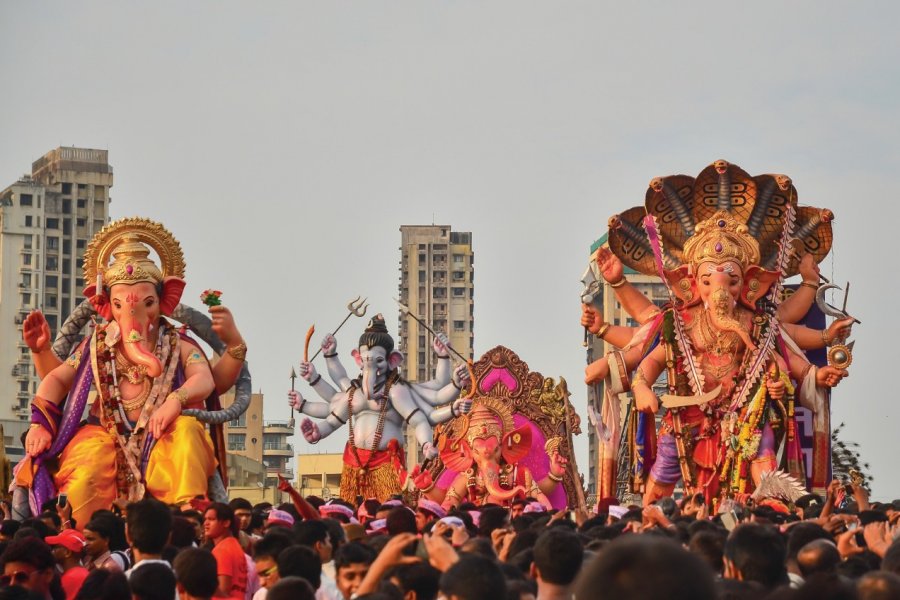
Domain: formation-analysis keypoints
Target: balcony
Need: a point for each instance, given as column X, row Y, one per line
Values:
column 273, row 472
column 278, row 449
column 283, row 427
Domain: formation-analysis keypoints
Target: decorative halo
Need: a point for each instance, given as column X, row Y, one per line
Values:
column 99, row 250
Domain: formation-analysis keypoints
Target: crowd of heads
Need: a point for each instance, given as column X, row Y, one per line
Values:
column 814, row 548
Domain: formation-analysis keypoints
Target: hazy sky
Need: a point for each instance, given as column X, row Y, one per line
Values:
column 285, row 143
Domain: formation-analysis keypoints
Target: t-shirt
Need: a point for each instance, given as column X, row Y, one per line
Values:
column 232, row 562
column 71, row 581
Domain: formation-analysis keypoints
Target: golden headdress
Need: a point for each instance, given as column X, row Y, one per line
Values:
column 721, row 239
column 482, row 423
column 126, row 241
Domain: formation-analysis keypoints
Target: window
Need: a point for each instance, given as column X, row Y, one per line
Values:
column 26, row 280
column 80, row 244
column 52, row 263
column 82, row 203
column 241, row 421
column 25, row 200
column 459, row 292
column 459, row 259
column 66, row 285
column 67, row 188
column 51, row 282
column 421, row 258
column 67, row 206
column 52, row 242
column 459, row 325
column 26, row 259
column 66, row 307
column 51, row 301
column 29, row 220
column 27, row 240
column 67, row 226
column 421, row 276
column 26, row 299
column 459, row 276
column 237, row 441
column 67, row 246
column 52, row 223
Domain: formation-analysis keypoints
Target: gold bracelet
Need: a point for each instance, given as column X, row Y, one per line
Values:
column 638, row 378
column 238, row 352
column 825, row 337
column 619, row 283
column 811, row 286
column 556, row 478
column 603, row 329
column 34, row 425
column 181, row 394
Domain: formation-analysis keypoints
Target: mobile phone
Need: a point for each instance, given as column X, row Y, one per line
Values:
column 421, row 550
column 729, row 520
column 62, row 500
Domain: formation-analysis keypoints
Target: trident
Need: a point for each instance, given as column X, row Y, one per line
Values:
column 356, row 307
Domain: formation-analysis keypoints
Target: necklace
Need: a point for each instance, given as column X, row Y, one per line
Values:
column 379, row 428
column 134, row 373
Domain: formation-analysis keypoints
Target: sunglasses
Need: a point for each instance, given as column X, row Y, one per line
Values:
column 269, row 571
column 17, row 578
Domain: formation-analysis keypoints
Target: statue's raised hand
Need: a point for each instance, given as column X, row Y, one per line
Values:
column 839, row 330
column 223, row 325
column 36, row 332
column 591, row 318
column 307, row 371
column 295, row 400
column 37, row 441
column 462, row 406
column 329, row 345
column 609, row 264
column 809, row 269
column 429, row 451
column 441, row 345
column 310, row 431
column 461, row 377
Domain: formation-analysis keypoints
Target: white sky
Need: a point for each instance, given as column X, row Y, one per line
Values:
column 285, row 143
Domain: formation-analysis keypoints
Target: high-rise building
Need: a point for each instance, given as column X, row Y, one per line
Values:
column 612, row 312
column 437, row 277
column 46, row 220
column 265, row 442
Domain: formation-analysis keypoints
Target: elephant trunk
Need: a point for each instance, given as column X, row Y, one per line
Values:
column 491, row 474
column 722, row 315
column 134, row 347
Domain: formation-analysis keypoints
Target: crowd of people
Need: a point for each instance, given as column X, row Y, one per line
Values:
column 841, row 546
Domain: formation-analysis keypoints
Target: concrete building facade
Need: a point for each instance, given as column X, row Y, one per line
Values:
column 265, row 442
column 46, row 220
column 437, row 283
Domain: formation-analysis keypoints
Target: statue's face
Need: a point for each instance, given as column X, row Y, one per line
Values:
column 138, row 303
column 486, row 448
column 713, row 279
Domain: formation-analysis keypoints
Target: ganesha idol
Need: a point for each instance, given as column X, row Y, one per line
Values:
column 139, row 373
column 733, row 359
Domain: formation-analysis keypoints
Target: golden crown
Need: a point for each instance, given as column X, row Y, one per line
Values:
column 482, row 423
column 128, row 242
column 720, row 239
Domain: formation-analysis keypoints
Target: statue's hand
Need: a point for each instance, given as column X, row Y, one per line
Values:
column 310, row 431
column 558, row 464
column 591, row 318
column 776, row 389
column 645, row 400
column 809, row 269
column 462, row 406
column 596, row 371
column 164, row 416
column 421, row 478
column 441, row 344
column 829, row 376
column 224, row 327
column 610, row 266
column 461, row 377
column 307, row 370
column 329, row 344
column 36, row 332
column 839, row 330
column 37, row 441
column 429, row 451
column 295, row 400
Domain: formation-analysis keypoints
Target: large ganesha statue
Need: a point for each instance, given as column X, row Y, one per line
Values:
column 137, row 375
column 729, row 346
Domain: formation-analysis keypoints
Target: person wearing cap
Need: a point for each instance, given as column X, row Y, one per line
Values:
column 428, row 511
column 338, row 511
column 68, row 549
column 279, row 518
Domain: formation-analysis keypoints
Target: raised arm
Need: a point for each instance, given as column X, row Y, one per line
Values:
column 797, row 305
column 339, row 411
column 812, row 339
column 414, row 417
column 446, row 394
column 336, row 371
column 635, row 303
column 321, row 387
column 644, row 376
column 36, row 335
column 319, row 410
column 227, row 369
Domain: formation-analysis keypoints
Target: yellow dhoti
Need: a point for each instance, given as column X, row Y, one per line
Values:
column 180, row 465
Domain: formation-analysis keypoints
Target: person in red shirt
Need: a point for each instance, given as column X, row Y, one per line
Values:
column 68, row 550
column 220, row 528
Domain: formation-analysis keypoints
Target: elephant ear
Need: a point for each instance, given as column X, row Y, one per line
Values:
column 99, row 301
column 171, row 294
column 683, row 285
column 456, row 456
column 516, row 444
column 757, row 282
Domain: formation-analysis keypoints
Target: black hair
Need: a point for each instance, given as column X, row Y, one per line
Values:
column 353, row 553
column 272, row 544
column 240, row 503
column 635, row 567
column 197, row 572
column 291, row 588
column 758, row 552
column 307, row 533
column 101, row 584
column 475, row 578
column 709, row 545
column 31, row 551
column 149, row 525
column 301, row 561
column 155, row 581
column 421, row 578
column 335, row 533
column 801, row 534
column 400, row 520
column 492, row 517
column 558, row 555
column 376, row 335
